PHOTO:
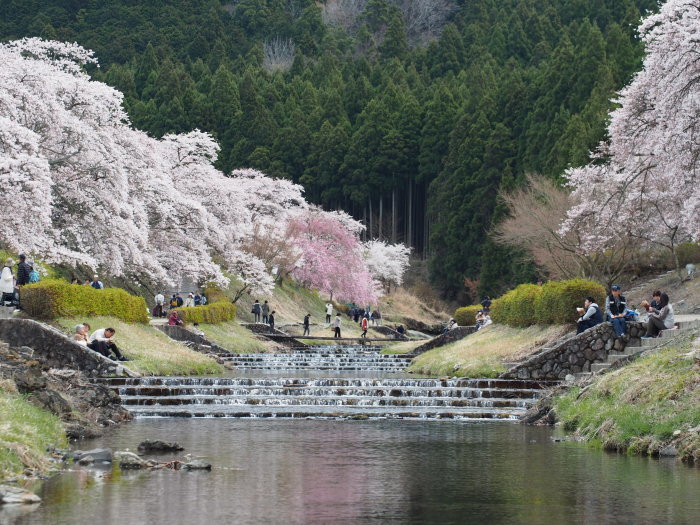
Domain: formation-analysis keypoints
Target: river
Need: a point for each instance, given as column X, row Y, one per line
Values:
column 356, row 472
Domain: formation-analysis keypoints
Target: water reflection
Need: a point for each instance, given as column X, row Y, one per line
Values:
column 311, row 472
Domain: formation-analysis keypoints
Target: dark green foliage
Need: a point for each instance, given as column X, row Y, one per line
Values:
column 417, row 141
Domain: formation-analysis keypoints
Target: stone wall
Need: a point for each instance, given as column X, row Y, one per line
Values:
column 575, row 354
column 196, row 342
column 386, row 330
column 445, row 339
column 264, row 330
column 56, row 349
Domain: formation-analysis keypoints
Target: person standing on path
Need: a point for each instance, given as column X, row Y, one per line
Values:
column 256, row 311
column 23, row 271
column 265, row 308
column 329, row 312
column 7, row 282
column 307, row 330
column 336, row 326
column 271, row 321
column 158, row 308
column 364, row 325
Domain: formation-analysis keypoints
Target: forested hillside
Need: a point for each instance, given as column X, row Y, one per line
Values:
column 409, row 115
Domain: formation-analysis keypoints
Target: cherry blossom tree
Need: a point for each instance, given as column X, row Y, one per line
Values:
column 386, row 263
column 644, row 181
column 331, row 257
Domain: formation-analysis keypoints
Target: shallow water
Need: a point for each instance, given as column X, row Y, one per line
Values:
column 356, row 472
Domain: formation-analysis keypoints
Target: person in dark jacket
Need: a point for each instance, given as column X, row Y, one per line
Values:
column 23, row 270
column 615, row 310
column 486, row 303
column 307, row 329
column 256, row 311
column 591, row 315
column 271, row 321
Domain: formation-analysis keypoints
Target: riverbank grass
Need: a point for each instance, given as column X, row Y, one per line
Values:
column 642, row 407
column 150, row 351
column 25, row 433
column 483, row 353
column 234, row 337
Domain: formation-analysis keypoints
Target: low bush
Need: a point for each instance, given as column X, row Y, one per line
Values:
column 517, row 307
column 217, row 312
column 466, row 316
column 54, row 298
column 557, row 302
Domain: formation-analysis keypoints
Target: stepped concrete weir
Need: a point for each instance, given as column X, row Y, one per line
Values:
column 355, row 382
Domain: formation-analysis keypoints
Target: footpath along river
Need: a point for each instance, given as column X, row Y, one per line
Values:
column 356, row 472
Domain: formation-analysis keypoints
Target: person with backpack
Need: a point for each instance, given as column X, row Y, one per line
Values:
column 364, row 324
column 265, row 308
column 590, row 315
column 173, row 301
column 256, row 311
column 33, row 274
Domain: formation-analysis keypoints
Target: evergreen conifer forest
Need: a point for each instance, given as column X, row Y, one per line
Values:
column 409, row 115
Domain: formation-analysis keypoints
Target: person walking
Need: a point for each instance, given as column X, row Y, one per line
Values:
column 336, row 326
column 307, row 330
column 265, row 308
column 364, row 324
column 158, row 308
column 271, row 321
column 23, row 270
column 197, row 299
column 329, row 312
column 256, row 311
column 189, row 301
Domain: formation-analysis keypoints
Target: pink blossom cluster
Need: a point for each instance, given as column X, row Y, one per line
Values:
column 644, row 181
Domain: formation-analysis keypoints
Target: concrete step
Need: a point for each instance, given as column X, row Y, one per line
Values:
column 581, row 375
column 597, row 367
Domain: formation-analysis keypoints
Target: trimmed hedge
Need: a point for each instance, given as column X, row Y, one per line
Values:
column 517, row 307
column 466, row 316
column 217, row 312
column 554, row 302
column 54, row 298
column 558, row 300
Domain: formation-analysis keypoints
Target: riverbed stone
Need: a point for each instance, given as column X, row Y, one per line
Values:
column 197, row 464
column 97, row 455
column 160, row 446
column 130, row 461
column 9, row 494
column 669, row 451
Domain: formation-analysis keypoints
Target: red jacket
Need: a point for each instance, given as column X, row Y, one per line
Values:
column 364, row 323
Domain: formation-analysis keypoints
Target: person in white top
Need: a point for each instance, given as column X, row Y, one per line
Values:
column 80, row 335
column 329, row 312
column 7, row 281
column 189, row 301
column 336, row 325
column 160, row 301
column 104, row 339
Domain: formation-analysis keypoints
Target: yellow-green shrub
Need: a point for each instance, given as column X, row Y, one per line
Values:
column 557, row 302
column 517, row 307
column 466, row 316
column 217, row 312
column 54, row 298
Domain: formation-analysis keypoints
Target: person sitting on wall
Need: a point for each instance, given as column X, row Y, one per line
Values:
column 616, row 310
column 104, row 337
column 80, row 335
column 656, row 300
column 591, row 315
column 661, row 319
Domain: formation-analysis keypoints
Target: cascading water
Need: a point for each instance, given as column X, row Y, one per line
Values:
column 329, row 397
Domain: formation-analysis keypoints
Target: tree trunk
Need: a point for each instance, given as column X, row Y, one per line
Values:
column 381, row 217
column 370, row 217
column 409, row 216
column 393, row 216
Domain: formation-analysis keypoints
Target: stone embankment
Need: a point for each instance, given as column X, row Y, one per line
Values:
column 85, row 408
column 194, row 341
column 56, row 350
column 283, row 339
column 445, row 339
column 576, row 354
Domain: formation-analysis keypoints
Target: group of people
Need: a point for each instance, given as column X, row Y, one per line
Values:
column 357, row 314
column 101, row 340
column 262, row 313
column 659, row 313
column 176, row 301
column 10, row 283
column 94, row 282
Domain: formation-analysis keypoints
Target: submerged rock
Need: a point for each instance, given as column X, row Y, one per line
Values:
column 160, row 446
column 197, row 464
column 17, row 495
column 97, row 454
